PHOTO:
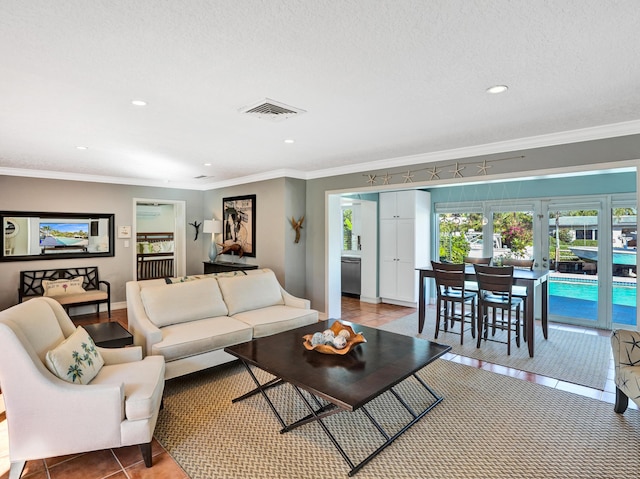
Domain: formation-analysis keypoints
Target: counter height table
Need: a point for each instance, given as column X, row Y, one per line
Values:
column 529, row 279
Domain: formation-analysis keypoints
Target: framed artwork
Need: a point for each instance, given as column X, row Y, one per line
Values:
column 239, row 223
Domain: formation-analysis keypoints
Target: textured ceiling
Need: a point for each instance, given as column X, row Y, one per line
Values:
column 378, row 80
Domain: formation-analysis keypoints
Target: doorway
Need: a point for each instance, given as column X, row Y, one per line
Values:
column 159, row 230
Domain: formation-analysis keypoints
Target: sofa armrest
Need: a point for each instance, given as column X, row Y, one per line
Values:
column 145, row 333
column 120, row 355
column 295, row 302
column 625, row 345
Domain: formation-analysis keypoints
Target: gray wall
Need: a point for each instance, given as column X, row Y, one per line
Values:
column 300, row 268
column 580, row 156
column 34, row 194
column 276, row 202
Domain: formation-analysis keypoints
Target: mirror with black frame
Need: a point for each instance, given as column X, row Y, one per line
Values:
column 42, row 235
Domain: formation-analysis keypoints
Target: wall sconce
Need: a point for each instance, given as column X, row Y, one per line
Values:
column 213, row 227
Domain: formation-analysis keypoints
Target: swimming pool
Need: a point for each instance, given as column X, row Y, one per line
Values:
column 578, row 298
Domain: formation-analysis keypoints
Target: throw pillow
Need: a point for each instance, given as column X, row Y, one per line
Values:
column 61, row 287
column 76, row 359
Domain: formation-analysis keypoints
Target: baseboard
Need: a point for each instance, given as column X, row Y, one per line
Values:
column 364, row 299
column 407, row 304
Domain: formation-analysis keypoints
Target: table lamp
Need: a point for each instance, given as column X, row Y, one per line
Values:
column 214, row 227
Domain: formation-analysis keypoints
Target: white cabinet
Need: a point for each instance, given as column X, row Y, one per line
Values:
column 398, row 204
column 404, row 244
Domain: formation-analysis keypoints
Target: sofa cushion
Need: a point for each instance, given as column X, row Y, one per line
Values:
column 62, row 287
column 179, row 303
column 246, row 293
column 76, row 359
column 197, row 337
column 143, row 385
column 275, row 319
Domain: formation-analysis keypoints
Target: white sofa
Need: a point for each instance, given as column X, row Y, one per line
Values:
column 191, row 320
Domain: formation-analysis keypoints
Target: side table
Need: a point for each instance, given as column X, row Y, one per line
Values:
column 222, row 267
column 109, row 335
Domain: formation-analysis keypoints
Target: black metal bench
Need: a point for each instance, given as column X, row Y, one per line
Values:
column 31, row 287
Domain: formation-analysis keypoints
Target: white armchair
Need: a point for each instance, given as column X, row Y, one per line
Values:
column 625, row 345
column 48, row 416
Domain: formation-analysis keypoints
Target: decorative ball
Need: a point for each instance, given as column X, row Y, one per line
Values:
column 317, row 338
column 339, row 342
column 328, row 332
column 345, row 333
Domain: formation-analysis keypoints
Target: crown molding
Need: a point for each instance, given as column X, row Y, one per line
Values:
column 540, row 141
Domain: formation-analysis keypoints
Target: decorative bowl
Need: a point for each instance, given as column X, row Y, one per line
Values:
column 336, row 327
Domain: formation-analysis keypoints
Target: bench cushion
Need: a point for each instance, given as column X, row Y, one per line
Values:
column 85, row 297
column 179, row 303
column 246, row 293
column 196, row 337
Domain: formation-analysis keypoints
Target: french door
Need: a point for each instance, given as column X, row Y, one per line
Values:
column 592, row 262
column 587, row 244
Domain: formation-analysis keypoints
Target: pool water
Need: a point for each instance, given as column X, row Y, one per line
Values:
column 579, row 299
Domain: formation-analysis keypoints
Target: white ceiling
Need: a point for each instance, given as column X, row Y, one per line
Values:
column 379, row 80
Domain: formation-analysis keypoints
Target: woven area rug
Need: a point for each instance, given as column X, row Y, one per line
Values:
column 488, row 425
column 580, row 358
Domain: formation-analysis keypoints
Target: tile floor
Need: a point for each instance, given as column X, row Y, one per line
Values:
column 126, row 462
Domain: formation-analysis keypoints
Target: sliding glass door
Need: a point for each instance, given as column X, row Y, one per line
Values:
column 574, row 232
column 587, row 244
column 592, row 252
column 624, row 237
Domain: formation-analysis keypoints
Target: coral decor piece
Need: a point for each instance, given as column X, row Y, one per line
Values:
column 231, row 248
column 297, row 225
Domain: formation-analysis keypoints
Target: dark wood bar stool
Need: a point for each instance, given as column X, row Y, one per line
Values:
column 450, row 289
column 520, row 291
column 494, row 284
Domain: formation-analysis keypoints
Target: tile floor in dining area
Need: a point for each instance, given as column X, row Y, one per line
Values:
column 126, row 462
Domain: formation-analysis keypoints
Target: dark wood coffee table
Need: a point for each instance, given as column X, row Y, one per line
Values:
column 345, row 383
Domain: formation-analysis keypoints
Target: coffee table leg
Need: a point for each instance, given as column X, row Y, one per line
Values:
column 262, row 388
column 387, row 437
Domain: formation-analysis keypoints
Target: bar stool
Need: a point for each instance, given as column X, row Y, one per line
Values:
column 450, row 289
column 520, row 291
column 494, row 285
column 473, row 285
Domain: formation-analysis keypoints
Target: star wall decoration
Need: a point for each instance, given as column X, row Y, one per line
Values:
column 457, row 171
column 482, row 169
column 434, row 173
column 408, row 178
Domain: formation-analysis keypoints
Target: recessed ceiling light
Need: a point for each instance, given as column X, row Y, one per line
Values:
column 289, row 141
column 207, row 164
column 139, row 102
column 497, row 89
column 82, row 147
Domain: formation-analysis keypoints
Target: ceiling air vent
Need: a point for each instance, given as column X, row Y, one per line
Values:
column 271, row 110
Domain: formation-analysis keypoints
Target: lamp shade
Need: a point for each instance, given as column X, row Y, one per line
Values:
column 212, row 226
column 207, row 226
